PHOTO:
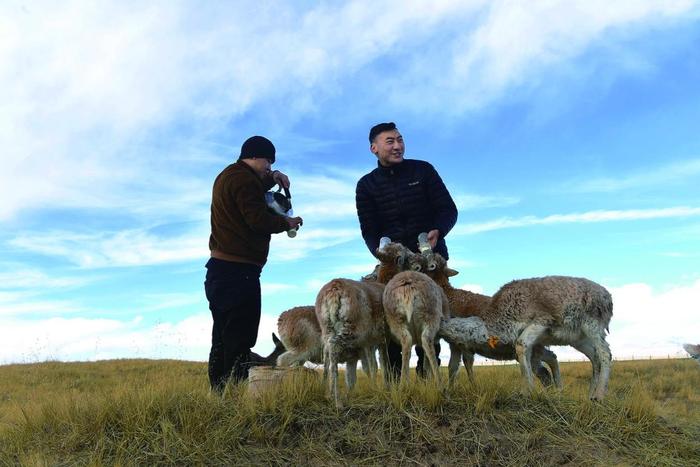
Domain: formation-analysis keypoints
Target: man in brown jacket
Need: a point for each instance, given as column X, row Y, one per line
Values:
column 241, row 225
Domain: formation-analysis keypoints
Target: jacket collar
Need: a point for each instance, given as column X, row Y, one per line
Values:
column 394, row 169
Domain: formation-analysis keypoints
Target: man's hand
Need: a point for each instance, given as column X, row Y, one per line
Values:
column 294, row 222
column 280, row 179
column 433, row 237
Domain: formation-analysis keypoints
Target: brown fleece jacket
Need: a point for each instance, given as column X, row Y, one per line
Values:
column 240, row 221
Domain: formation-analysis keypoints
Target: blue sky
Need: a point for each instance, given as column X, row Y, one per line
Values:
column 567, row 133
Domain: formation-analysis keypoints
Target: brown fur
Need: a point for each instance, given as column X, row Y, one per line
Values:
column 414, row 306
column 465, row 304
column 393, row 259
column 555, row 310
column 301, row 334
column 545, row 300
column 351, row 317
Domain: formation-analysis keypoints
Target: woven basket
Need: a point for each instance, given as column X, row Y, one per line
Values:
column 263, row 378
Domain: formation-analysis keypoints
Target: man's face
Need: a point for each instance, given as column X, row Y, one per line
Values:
column 388, row 147
column 261, row 166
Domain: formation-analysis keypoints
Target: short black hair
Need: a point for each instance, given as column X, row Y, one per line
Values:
column 379, row 128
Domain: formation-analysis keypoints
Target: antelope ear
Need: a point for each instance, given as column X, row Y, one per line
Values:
column 276, row 339
column 451, row 272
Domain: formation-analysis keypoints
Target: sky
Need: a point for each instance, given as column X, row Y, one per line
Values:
column 566, row 132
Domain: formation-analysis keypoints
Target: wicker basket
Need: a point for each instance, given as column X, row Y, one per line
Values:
column 263, row 378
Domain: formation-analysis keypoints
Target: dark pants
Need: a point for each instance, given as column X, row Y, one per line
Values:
column 394, row 351
column 233, row 292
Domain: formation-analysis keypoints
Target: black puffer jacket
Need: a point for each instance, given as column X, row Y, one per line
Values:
column 402, row 201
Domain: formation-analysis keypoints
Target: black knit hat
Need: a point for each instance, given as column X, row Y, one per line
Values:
column 258, row 146
column 380, row 128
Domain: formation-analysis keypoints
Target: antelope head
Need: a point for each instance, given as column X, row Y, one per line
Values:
column 431, row 262
column 392, row 253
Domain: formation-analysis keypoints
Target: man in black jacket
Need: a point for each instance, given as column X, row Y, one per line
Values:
column 400, row 199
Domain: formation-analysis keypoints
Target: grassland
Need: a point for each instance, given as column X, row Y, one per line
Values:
column 141, row 412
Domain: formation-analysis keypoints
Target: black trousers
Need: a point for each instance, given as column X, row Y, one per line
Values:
column 394, row 351
column 233, row 292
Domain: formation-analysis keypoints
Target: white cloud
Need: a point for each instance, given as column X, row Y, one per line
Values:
column 352, row 271
column 25, row 303
column 585, row 217
column 466, row 202
column 316, row 197
column 139, row 247
column 283, row 248
column 32, row 341
column 169, row 301
column 268, row 325
column 650, row 322
column 460, row 264
column 70, row 339
column 680, row 254
column 126, row 248
column 666, row 175
column 341, row 208
column 19, row 277
column 513, row 44
column 319, row 197
column 85, row 86
column 476, row 288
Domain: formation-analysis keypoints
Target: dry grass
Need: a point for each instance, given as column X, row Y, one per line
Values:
column 137, row 412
